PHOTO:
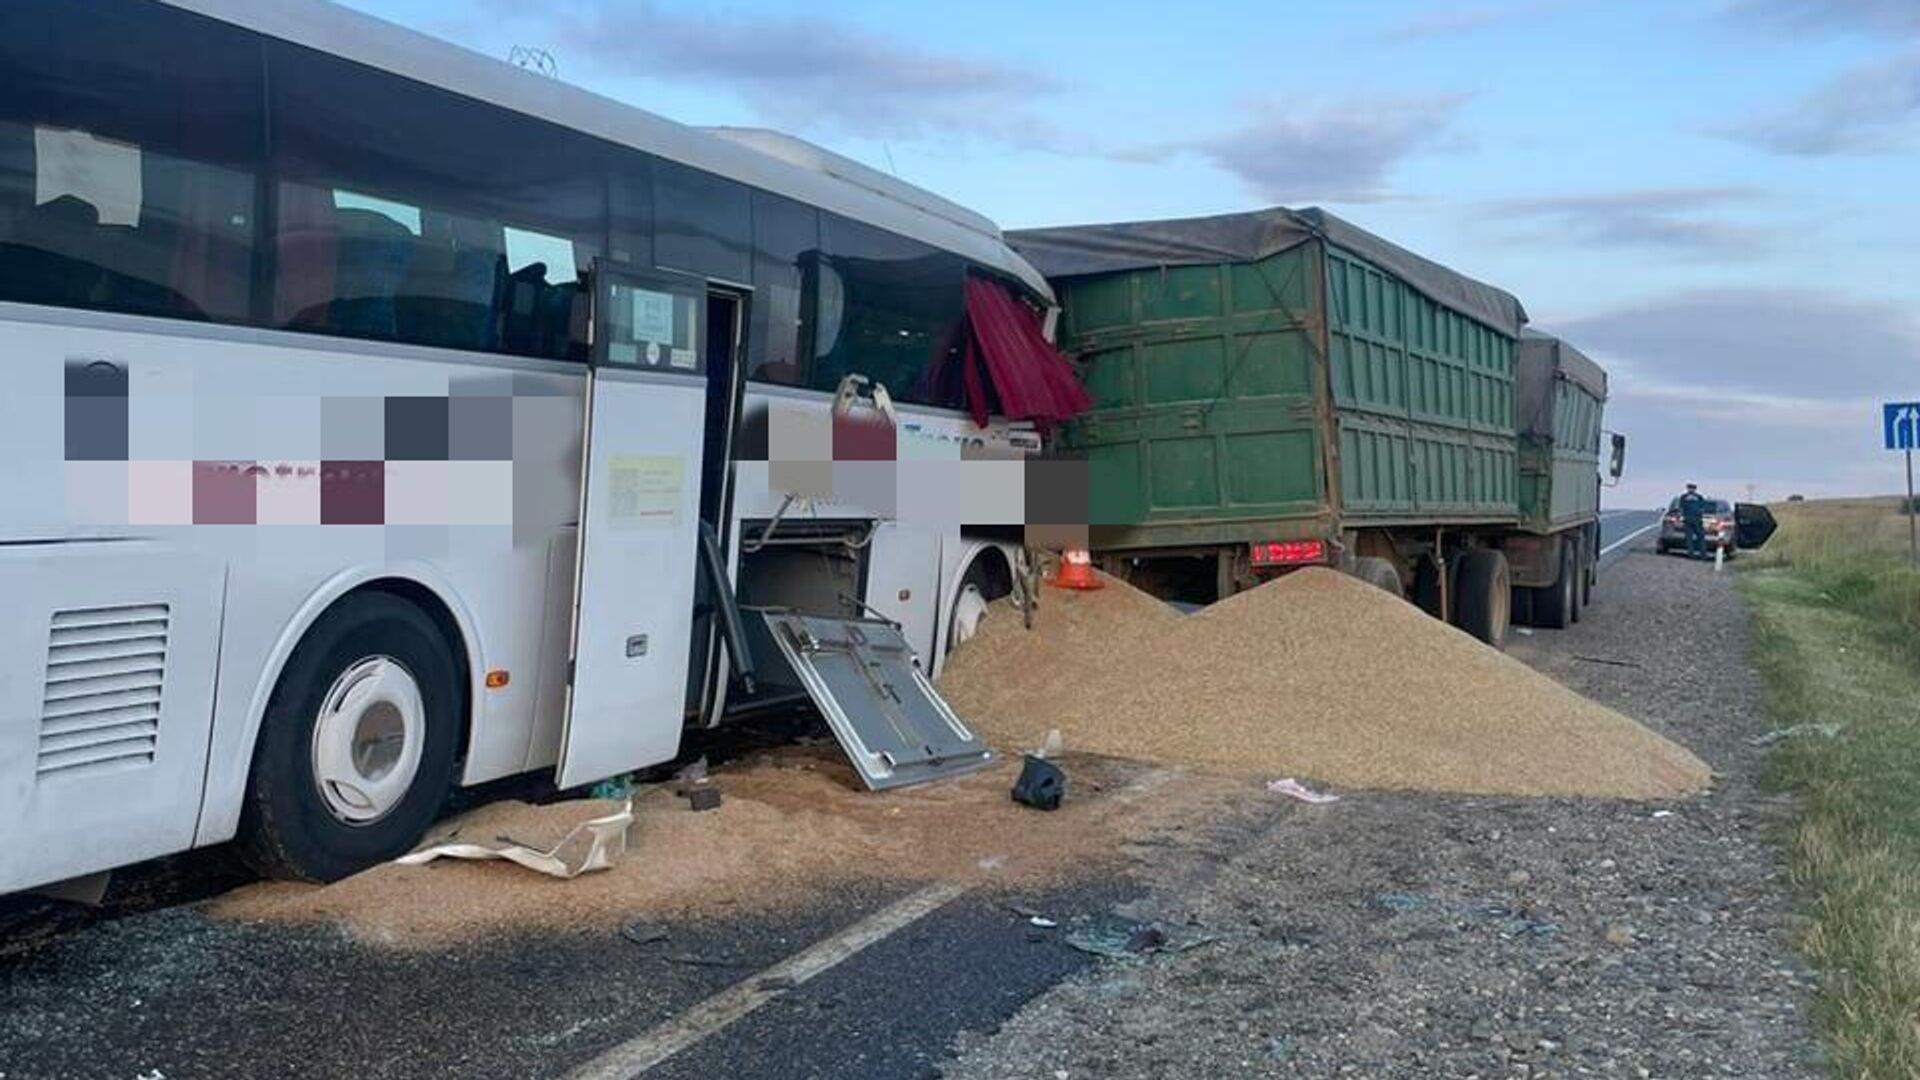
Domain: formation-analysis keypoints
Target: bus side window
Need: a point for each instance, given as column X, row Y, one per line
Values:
column 426, row 218
column 139, row 200
column 701, row 223
column 891, row 309
column 786, row 242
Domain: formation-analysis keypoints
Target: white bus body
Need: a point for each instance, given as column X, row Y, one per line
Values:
column 147, row 624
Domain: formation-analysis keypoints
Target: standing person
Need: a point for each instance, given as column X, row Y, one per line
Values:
column 1693, row 509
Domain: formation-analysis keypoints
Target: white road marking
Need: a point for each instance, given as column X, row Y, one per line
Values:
column 637, row 1055
column 1631, row 536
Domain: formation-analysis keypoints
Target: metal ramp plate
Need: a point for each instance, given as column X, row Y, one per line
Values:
column 860, row 673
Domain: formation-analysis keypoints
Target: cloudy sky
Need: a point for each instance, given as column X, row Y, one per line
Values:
column 1716, row 198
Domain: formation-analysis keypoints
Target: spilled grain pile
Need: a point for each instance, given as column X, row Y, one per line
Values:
column 1316, row 674
column 796, row 828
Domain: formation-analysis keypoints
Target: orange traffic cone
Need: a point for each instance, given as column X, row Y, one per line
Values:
column 1076, row 571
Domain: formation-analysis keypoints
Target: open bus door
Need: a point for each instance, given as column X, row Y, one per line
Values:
column 639, row 525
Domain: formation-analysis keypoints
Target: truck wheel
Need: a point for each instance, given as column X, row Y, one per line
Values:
column 1426, row 586
column 1379, row 573
column 1483, row 598
column 1592, row 577
column 356, row 750
column 1575, row 573
column 1553, row 605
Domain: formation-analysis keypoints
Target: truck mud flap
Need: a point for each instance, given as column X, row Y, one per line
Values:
column 862, row 676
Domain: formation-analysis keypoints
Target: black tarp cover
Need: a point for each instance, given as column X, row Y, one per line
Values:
column 1077, row 250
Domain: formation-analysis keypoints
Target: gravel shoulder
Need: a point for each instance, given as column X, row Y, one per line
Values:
column 1400, row 935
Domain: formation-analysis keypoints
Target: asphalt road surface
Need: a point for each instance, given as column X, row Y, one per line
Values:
column 894, row 980
column 1622, row 531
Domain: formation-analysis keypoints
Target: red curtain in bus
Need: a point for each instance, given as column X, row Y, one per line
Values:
column 1005, row 347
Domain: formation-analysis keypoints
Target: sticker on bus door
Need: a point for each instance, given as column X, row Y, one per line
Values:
column 639, row 521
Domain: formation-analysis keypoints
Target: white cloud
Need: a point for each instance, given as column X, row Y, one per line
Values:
column 1340, row 152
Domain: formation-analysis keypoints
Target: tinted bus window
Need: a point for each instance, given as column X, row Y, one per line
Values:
column 630, row 206
column 127, row 175
column 786, row 248
column 410, row 214
column 701, row 223
column 891, row 309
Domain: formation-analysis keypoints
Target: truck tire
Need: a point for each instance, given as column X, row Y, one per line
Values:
column 1553, row 605
column 1591, row 579
column 1379, row 573
column 1484, row 598
column 1579, row 578
column 356, row 750
column 1426, row 586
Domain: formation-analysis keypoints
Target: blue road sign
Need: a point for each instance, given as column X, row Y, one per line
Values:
column 1901, row 421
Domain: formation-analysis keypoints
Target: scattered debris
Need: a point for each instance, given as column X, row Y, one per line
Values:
column 1657, row 814
column 643, row 933
column 776, row 983
column 1608, row 662
column 1402, row 901
column 702, row 960
column 703, row 796
column 1825, row 731
column 592, row 845
column 1294, row 789
column 1117, row 938
column 691, row 773
column 1050, row 746
column 1041, row 785
column 1512, row 923
column 614, row 789
column 1041, row 921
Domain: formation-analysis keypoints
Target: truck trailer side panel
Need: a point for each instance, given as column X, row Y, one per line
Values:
column 1561, row 395
column 1423, row 402
column 1207, row 417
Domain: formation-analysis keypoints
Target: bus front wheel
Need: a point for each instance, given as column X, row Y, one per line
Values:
column 356, row 751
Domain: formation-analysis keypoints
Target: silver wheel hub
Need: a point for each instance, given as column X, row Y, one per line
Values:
column 967, row 613
column 367, row 740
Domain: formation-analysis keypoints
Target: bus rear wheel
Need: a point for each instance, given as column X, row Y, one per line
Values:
column 356, row 751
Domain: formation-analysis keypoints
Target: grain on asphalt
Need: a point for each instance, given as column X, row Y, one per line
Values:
column 1315, row 674
column 1397, row 934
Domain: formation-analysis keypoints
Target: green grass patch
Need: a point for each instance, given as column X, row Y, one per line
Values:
column 1836, row 612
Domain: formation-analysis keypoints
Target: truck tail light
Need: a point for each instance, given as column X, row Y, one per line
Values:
column 1289, row 552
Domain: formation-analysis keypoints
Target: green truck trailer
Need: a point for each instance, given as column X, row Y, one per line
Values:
column 1282, row 388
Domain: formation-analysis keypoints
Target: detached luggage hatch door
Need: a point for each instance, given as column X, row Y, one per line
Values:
column 1753, row 524
column 863, row 677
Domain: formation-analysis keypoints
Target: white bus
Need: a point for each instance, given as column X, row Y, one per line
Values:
column 312, row 327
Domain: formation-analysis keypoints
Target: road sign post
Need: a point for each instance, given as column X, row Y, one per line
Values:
column 1900, row 423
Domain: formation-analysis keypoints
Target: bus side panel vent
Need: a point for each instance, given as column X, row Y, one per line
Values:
column 100, row 711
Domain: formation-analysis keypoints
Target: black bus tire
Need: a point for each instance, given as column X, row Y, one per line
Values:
column 289, row 827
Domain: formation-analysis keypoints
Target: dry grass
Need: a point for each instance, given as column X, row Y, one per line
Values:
column 1837, row 617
